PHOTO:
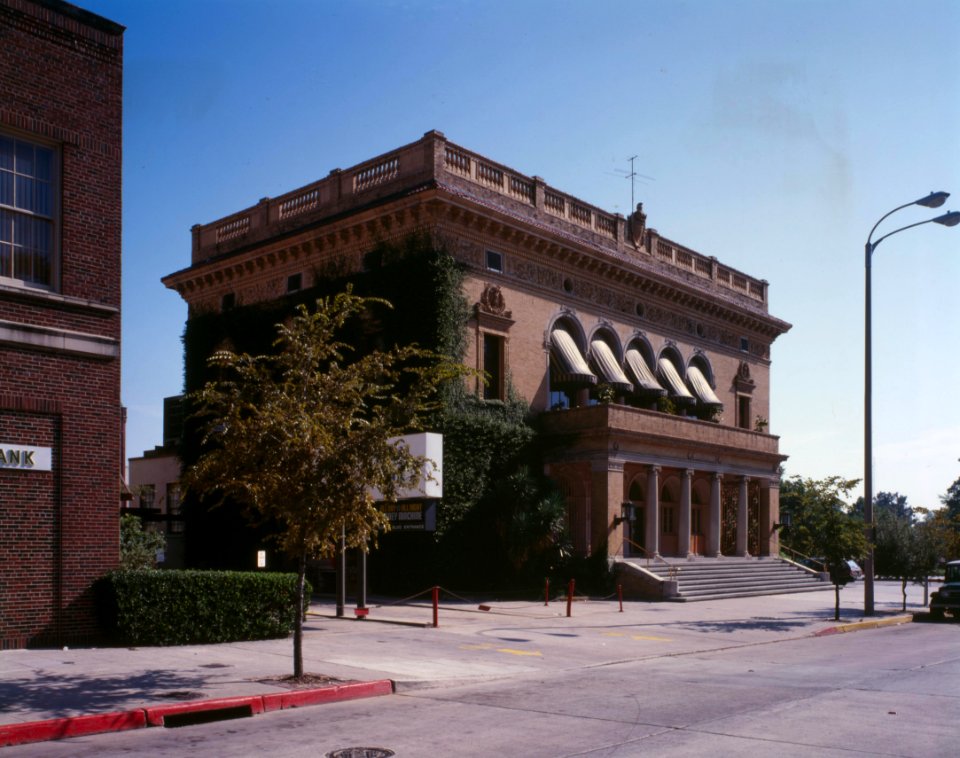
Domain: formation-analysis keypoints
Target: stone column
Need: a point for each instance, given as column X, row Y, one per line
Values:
column 743, row 517
column 683, row 525
column 769, row 515
column 607, row 497
column 713, row 542
column 653, row 511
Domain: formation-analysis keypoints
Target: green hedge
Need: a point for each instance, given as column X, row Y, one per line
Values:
column 194, row 607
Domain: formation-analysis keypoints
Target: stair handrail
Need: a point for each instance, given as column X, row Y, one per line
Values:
column 801, row 555
column 672, row 570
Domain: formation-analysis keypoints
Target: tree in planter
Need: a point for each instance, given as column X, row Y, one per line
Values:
column 821, row 525
column 302, row 436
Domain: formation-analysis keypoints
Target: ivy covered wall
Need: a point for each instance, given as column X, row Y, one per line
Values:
column 485, row 443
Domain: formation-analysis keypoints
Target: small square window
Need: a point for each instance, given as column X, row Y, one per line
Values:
column 744, row 345
column 294, row 282
column 494, row 261
column 228, row 301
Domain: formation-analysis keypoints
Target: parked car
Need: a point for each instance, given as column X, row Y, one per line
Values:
column 947, row 598
column 855, row 571
column 849, row 571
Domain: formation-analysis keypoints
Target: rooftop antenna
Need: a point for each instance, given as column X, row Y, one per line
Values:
column 632, row 176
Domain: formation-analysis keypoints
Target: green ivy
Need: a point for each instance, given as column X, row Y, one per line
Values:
column 484, row 441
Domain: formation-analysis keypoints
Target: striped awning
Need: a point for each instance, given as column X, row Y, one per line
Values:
column 675, row 386
column 609, row 368
column 643, row 377
column 567, row 365
column 702, row 388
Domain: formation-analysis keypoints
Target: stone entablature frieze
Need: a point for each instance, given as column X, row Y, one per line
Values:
column 433, row 162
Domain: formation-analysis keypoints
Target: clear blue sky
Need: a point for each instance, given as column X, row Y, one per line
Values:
column 774, row 134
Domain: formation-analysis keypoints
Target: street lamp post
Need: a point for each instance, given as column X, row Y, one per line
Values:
column 933, row 200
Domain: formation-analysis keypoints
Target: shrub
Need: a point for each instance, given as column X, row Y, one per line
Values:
column 138, row 548
column 195, row 607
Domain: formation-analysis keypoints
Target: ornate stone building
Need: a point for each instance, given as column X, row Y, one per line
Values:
column 648, row 362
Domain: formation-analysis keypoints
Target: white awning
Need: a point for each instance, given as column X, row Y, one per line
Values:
column 609, row 368
column 701, row 387
column 668, row 372
column 643, row 377
column 568, row 365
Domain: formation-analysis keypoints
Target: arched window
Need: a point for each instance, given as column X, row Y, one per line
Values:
column 569, row 371
column 669, row 368
column 640, row 365
column 604, row 349
column 700, row 378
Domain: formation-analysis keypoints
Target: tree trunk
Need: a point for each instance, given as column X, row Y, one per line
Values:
column 836, row 606
column 903, row 590
column 298, row 624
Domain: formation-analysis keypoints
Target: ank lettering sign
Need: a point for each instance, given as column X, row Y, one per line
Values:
column 25, row 457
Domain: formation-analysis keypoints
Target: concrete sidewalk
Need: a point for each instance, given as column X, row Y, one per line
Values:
column 87, row 690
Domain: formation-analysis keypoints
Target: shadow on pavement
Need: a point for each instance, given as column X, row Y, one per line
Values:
column 741, row 625
column 61, row 695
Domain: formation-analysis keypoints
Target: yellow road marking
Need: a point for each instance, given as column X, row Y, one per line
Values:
column 509, row 651
column 638, row 636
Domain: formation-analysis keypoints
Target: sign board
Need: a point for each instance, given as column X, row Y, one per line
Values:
column 411, row 515
column 427, row 445
column 25, row 457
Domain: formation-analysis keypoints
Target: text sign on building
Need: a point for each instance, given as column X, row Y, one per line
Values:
column 25, row 457
column 411, row 515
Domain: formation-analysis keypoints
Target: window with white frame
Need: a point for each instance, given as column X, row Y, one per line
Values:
column 28, row 191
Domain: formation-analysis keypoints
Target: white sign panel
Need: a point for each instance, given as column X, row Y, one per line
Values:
column 25, row 457
column 427, row 445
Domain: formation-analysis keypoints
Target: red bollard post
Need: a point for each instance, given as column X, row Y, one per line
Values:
column 546, row 592
column 620, row 596
column 436, row 607
column 570, row 586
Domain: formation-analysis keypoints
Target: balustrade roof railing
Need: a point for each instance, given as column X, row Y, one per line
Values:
column 433, row 158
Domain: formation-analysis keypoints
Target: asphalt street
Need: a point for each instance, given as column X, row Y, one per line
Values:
column 733, row 677
column 890, row 691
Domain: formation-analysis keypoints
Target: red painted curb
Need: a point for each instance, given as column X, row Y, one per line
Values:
column 158, row 713
column 353, row 691
column 76, row 726
column 71, row 726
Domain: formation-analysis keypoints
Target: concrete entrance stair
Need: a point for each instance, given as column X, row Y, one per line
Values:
column 718, row 578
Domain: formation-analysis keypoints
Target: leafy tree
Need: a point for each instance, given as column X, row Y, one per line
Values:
column 891, row 502
column 947, row 522
column 302, row 436
column 952, row 501
column 138, row 548
column 906, row 548
column 821, row 524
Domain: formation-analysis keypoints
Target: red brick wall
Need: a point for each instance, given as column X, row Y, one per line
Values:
column 61, row 84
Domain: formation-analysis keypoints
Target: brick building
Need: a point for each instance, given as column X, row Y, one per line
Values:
column 154, row 481
column 60, row 413
column 651, row 361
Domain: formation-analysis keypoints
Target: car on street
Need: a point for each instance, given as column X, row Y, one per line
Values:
column 947, row 598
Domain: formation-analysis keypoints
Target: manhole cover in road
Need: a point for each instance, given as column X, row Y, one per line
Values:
column 360, row 752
